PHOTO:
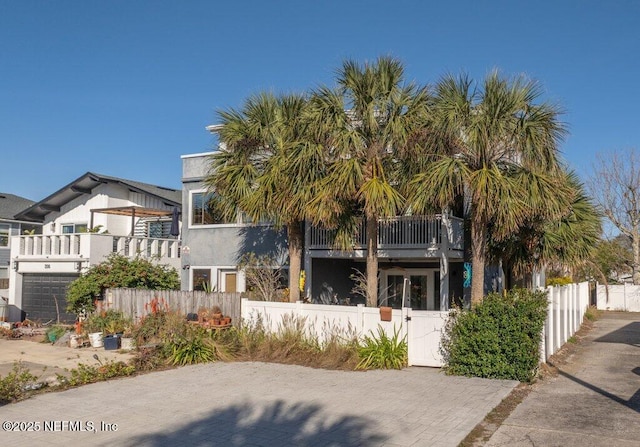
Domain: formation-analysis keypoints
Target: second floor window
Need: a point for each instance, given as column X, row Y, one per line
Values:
column 4, row 235
column 203, row 211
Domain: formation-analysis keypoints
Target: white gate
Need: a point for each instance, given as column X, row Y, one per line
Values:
column 424, row 331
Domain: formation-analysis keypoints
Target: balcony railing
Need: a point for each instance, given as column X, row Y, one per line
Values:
column 402, row 232
column 94, row 246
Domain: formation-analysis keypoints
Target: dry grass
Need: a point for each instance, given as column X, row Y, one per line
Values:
column 293, row 343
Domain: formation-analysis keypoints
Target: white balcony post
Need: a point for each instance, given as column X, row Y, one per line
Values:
column 306, row 261
column 444, row 262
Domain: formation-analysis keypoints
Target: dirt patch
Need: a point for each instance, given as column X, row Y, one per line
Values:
column 482, row 432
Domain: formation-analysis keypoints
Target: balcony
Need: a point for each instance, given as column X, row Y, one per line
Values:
column 401, row 236
column 92, row 248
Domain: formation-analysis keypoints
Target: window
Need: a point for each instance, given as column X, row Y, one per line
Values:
column 74, row 228
column 5, row 232
column 202, row 279
column 159, row 229
column 203, row 210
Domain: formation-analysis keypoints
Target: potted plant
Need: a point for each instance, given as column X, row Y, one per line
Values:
column 113, row 329
column 94, row 325
column 126, row 341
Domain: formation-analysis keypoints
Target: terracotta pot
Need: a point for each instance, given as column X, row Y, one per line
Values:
column 385, row 313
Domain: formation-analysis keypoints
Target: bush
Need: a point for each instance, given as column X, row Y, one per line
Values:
column 108, row 321
column 13, row 386
column 159, row 327
column 383, row 352
column 499, row 338
column 197, row 345
column 84, row 374
column 118, row 271
column 592, row 313
column 559, row 281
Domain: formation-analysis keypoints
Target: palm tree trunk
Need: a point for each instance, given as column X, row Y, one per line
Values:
column 371, row 228
column 295, row 239
column 478, row 252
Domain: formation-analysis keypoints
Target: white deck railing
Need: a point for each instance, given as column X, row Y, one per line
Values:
column 399, row 232
column 88, row 245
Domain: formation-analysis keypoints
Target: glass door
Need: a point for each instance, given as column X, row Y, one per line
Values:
column 420, row 286
column 418, row 292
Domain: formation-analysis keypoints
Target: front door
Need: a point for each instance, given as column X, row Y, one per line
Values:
column 419, row 287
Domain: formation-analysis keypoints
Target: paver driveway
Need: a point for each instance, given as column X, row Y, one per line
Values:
column 258, row 404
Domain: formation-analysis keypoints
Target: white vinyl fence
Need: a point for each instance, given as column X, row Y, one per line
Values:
column 567, row 305
column 622, row 297
column 423, row 333
column 423, row 329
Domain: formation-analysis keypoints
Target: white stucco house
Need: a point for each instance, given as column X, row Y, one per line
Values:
column 82, row 223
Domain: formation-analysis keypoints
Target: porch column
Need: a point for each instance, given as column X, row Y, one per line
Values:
column 445, row 231
column 307, row 260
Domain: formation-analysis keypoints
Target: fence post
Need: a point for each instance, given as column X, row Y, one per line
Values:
column 557, row 315
column 244, row 311
column 404, row 328
column 360, row 319
column 572, row 309
column 549, row 332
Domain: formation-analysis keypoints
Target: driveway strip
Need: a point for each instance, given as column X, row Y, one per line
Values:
column 260, row 404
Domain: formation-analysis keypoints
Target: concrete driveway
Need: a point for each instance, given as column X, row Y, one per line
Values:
column 595, row 399
column 258, row 404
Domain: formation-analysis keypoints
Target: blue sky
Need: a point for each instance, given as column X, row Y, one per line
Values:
column 124, row 88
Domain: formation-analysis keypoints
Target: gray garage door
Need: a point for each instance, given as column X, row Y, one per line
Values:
column 38, row 292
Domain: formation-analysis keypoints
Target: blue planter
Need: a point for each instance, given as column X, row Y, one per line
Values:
column 111, row 342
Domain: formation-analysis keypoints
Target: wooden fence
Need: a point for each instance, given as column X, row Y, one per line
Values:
column 132, row 301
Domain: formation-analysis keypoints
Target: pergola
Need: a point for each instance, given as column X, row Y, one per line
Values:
column 133, row 211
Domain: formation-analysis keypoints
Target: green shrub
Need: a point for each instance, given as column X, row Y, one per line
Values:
column 382, row 351
column 559, row 281
column 13, row 386
column 109, row 321
column 499, row 338
column 84, row 374
column 159, row 327
column 118, row 271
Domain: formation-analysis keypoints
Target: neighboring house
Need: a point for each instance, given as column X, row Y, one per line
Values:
column 82, row 223
column 421, row 259
column 212, row 247
column 10, row 205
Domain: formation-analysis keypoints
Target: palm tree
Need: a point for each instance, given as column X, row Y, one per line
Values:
column 567, row 242
column 362, row 125
column 497, row 148
column 267, row 168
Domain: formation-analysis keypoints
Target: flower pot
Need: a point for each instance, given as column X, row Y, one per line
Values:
column 111, row 342
column 385, row 313
column 127, row 343
column 74, row 341
column 96, row 339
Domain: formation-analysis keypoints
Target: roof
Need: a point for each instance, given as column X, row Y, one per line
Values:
column 10, row 205
column 85, row 184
